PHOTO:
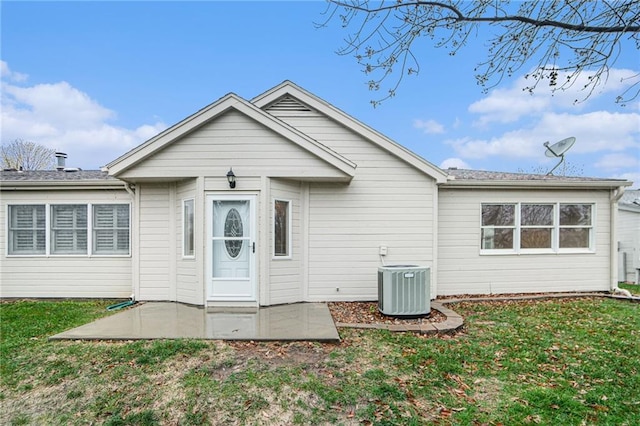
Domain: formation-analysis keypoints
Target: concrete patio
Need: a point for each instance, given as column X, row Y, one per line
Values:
column 168, row 320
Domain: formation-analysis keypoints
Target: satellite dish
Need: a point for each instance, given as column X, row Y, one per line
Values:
column 558, row 149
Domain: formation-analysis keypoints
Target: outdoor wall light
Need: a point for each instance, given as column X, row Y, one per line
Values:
column 231, row 178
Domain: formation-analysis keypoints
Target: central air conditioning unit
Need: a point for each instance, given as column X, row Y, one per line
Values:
column 404, row 290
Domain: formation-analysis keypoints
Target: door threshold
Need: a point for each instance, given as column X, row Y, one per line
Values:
column 233, row 307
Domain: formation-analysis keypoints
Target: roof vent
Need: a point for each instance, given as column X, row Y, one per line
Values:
column 71, row 169
column 61, row 161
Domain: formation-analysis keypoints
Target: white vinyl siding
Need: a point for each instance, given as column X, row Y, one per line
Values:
column 156, row 248
column 629, row 244
column 388, row 203
column 27, row 230
column 189, row 268
column 234, row 140
column 69, row 229
column 60, row 276
column 463, row 267
column 285, row 273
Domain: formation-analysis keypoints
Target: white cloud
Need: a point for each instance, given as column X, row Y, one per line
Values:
column 454, row 163
column 615, row 162
column 7, row 74
column 595, row 132
column 429, row 126
column 61, row 117
column 508, row 105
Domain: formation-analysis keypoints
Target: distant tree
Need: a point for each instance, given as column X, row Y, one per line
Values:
column 567, row 169
column 26, row 155
column 563, row 38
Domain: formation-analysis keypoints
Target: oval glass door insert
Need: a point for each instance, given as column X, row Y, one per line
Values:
column 233, row 228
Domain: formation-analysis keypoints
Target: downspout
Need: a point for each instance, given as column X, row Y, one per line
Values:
column 616, row 194
column 131, row 190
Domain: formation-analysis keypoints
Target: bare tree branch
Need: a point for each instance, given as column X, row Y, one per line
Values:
column 573, row 36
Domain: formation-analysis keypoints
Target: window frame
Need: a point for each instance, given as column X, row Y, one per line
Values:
column 289, row 237
column 555, row 230
column 93, row 229
column 48, row 252
column 186, row 255
column 513, row 228
column 52, row 232
column 9, row 231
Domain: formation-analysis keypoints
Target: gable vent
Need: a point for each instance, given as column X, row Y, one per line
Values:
column 289, row 106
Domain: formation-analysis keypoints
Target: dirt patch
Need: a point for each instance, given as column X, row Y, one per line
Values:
column 368, row 313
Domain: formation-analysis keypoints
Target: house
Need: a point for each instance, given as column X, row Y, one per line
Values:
column 629, row 236
column 285, row 198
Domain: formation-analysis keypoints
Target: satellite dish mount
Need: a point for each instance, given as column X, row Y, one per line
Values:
column 558, row 150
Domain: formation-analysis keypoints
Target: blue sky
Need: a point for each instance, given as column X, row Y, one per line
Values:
column 95, row 79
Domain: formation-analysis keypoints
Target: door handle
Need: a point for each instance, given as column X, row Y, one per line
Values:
column 254, row 247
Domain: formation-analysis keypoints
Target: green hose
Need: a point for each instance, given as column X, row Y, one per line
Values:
column 120, row 305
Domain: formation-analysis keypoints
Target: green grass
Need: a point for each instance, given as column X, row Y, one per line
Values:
column 569, row 362
column 633, row 288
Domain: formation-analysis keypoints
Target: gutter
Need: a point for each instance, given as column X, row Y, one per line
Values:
column 537, row 184
column 47, row 185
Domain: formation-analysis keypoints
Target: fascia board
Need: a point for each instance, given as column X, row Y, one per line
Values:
column 367, row 132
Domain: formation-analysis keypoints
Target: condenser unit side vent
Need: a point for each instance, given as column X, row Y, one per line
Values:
column 404, row 290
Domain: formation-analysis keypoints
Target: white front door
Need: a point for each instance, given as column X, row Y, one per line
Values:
column 231, row 247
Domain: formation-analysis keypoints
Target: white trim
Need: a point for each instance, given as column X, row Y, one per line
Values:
column 252, row 197
column 555, row 248
column 289, row 254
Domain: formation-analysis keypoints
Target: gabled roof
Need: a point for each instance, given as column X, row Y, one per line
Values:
column 36, row 179
column 289, row 88
column 224, row 104
column 463, row 178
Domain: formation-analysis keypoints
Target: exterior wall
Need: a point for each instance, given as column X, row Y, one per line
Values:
column 388, row 203
column 463, row 270
column 62, row 276
column 629, row 244
column 156, row 242
column 189, row 285
column 285, row 274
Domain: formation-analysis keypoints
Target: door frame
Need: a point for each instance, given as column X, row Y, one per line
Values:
column 253, row 261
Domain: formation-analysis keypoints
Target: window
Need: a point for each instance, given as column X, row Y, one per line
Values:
column 498, row 226
column 69, row 229
column 188, row 233
column 575, row 225
column 111, row 229
column 27, row 230
column 536, row 228
column 281, row 228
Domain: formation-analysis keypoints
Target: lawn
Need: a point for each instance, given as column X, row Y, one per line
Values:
column 569, row 362
column 633, row 288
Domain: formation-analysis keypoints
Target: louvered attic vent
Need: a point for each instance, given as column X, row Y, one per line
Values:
column 289, row 106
